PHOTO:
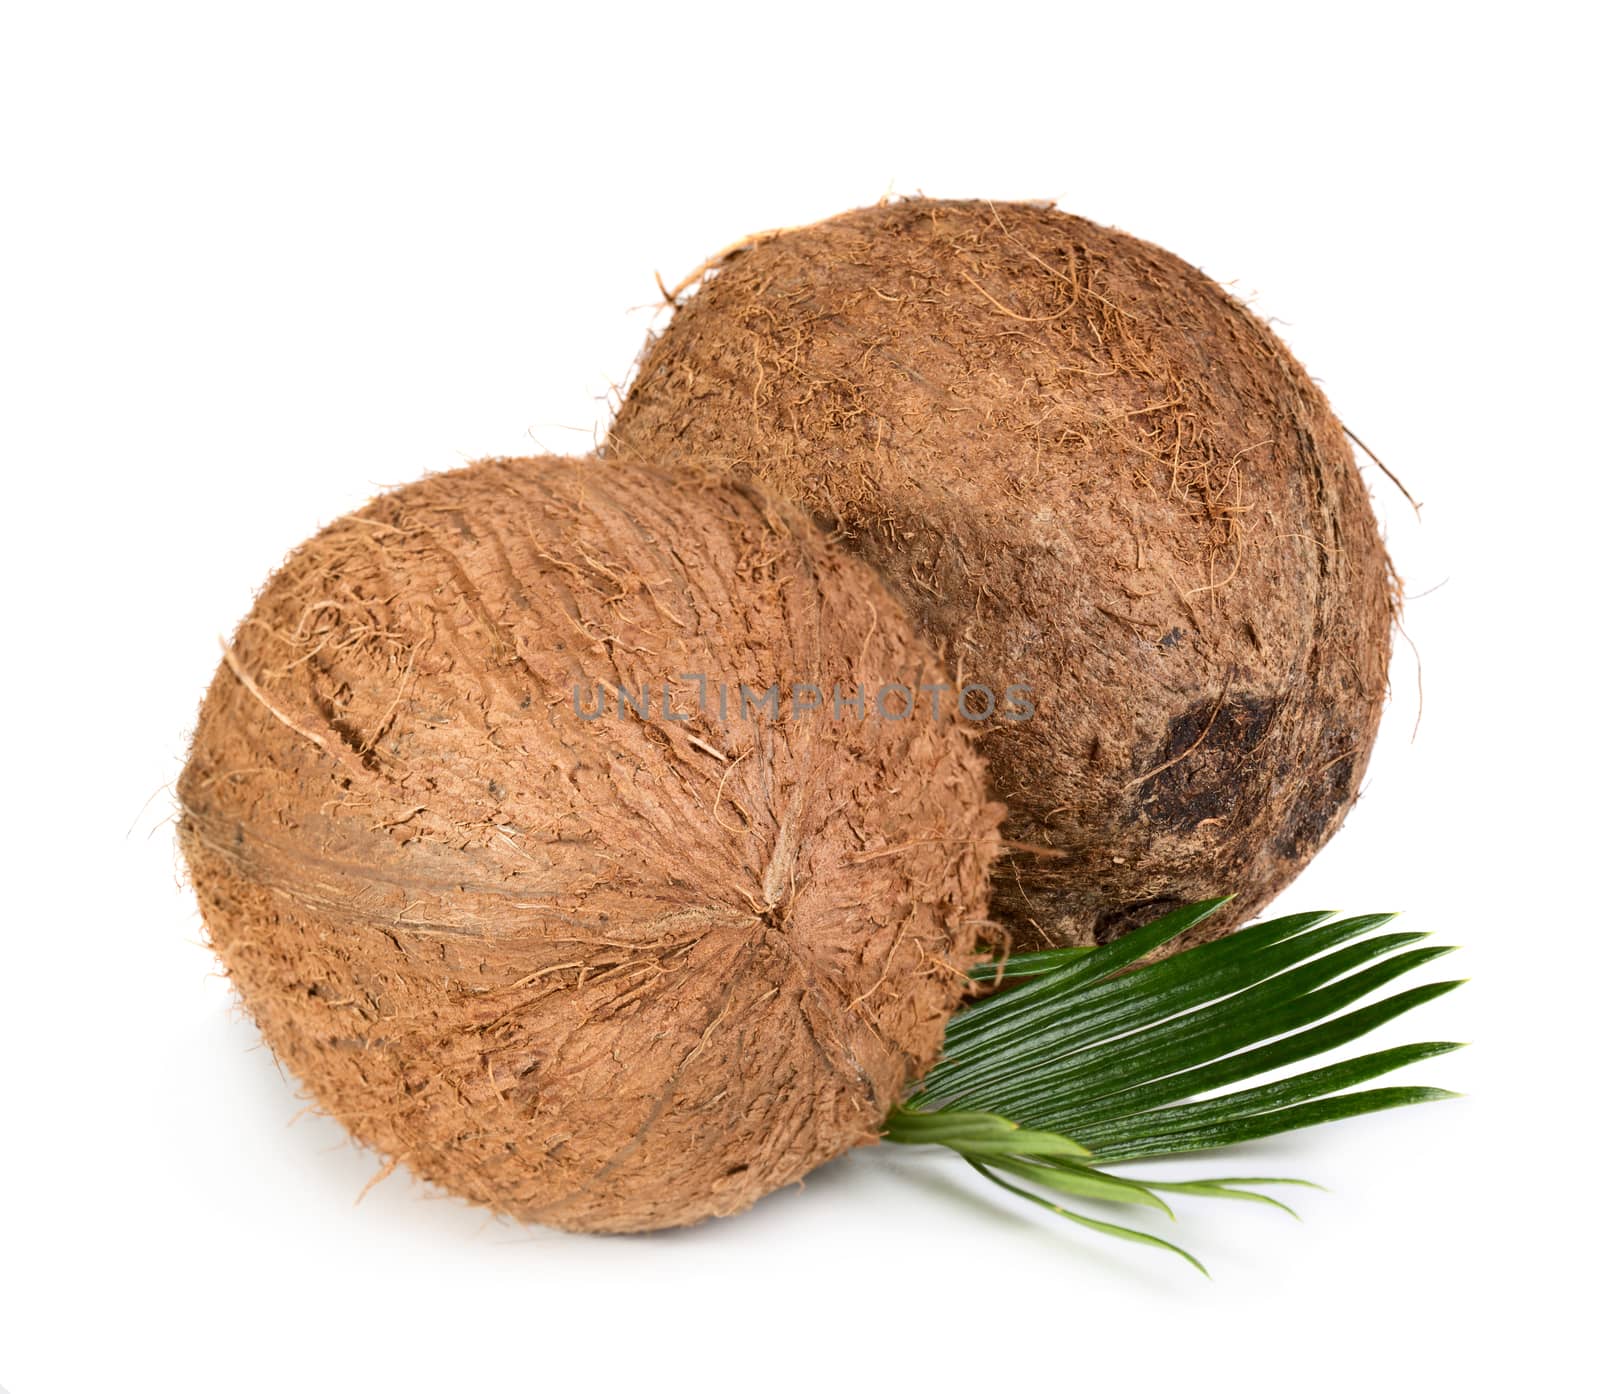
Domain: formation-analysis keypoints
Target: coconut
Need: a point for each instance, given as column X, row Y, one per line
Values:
column 604, row 969
column 1087, row 468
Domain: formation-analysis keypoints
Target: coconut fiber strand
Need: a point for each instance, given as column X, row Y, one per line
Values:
column 1081, row 464
column 613, row 974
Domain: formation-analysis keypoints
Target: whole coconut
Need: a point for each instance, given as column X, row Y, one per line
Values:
column 1086, row 467
column 605, row 974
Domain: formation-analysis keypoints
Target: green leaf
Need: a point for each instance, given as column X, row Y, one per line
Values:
column 1024, row 1036
column 1081, row 1181
column 1313, row 1084
column 969, row 1023
column 1288, row 1050
column 1026, row 1142
column 976, row 1133
column 922, row 1126
column 1093, row 1062
column 1225, row 1189
column 1260, row 1125
column 1187, row 1049
column 1136, row 1236
column 1039, row 1091
column 1021, row 966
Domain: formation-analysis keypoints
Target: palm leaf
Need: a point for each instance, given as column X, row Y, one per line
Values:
column 1137, row 1236
column 1087, row 1064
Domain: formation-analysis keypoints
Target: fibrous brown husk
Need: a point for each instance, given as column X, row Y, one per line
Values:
column 613, row 974
column 1085, row 466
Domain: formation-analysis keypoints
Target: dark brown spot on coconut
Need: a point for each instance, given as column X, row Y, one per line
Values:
column 1325, row 794
column 1200, row 774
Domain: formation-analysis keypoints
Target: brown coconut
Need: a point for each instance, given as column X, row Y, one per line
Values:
column 605, row 975
column 1085, row 466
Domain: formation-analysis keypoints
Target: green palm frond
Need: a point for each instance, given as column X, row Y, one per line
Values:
column 1085, row 1064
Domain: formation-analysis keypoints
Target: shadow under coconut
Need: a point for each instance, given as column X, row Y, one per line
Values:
column 259, row 1130
column 255, row 1127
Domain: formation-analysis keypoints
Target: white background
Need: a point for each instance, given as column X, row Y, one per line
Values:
column 260, row 262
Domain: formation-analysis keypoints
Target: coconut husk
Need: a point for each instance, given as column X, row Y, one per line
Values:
column 614, row 974
column 1082, row 465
